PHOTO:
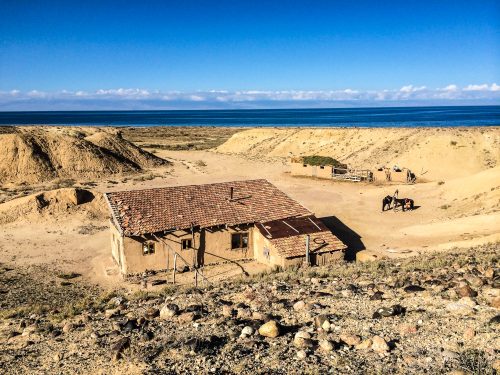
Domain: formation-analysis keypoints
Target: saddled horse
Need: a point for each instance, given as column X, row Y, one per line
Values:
column 405, row 203
column 386, row 202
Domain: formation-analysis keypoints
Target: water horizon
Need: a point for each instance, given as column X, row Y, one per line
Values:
column 365, row 117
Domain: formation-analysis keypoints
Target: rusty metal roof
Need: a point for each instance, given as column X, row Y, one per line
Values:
column 179, row 207
column 289, row 236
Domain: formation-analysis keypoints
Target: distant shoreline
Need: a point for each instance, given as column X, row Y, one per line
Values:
column 379, row 117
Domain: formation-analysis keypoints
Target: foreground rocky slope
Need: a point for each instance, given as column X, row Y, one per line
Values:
column 36, row 154
column 407, row 316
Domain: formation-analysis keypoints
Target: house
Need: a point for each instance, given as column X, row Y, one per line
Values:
column 299, row 168
column 214, row 223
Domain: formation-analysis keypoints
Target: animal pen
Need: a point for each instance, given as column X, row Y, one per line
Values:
column 336, row 172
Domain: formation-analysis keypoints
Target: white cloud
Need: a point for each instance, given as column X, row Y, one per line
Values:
column 130, row 97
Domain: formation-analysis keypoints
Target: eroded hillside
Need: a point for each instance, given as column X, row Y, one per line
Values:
column 432, row 153
column 32, row 155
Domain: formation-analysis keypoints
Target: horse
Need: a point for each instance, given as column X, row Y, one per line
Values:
column 386, row 202
column 405, row 203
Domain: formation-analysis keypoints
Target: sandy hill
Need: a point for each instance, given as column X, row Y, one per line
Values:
column 31, row 155
column 432, row 153
column 56, row 204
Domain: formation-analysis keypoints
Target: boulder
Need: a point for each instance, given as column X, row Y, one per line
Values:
column 351, row 340
column 326, row 345
column 379, row 345
column 169, row 310
column 270, row 329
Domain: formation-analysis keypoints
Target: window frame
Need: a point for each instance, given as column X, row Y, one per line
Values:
column 188, row 241
column 148, row 248
column 241, row 242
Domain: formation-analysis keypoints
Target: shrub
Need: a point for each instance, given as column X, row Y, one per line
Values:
column 323, row 160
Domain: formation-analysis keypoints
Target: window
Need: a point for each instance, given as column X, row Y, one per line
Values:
column 322, row 167
column 187, row 244
column 148, row 248
column 239, row 241
column 304, row 165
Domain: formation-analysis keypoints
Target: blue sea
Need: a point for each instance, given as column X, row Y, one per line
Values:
column 337, row 117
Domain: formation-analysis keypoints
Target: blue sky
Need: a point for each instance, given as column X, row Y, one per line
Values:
column 203, row 54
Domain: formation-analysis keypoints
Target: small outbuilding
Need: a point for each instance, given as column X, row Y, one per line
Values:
column 215, row 223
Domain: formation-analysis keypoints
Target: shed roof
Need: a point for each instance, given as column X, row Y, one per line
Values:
column 178, row 207
column 289, row 236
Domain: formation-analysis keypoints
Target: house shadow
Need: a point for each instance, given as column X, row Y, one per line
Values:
column 346, row 235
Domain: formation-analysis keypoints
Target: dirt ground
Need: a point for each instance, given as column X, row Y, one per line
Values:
column 454, row 211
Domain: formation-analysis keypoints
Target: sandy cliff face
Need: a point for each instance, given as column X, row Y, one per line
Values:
column 432, row 154
column 31, row 155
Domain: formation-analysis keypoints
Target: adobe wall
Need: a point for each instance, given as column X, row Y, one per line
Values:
column 217, row 247
column 136, row 262
column 208, row 247
column 300, row 169
column 117, row 247
column 326, row 172
column 380, row 175
column 261, row 246
column 399, row 176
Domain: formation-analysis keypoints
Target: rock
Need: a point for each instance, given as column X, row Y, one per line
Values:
column 299, row 305
column 187, row 317
column 247, row 331
column 489, row 273
column 365, row 345
column 130, row 325
column 389, row 311
column 459, row 308
column 414, row 289
column 379, row 345
column 322, row 322
column 495, row 302
column 302, row 340
column 57, row 357
column 152, row 313
column 466, row 291
column 377, row 296
column 261, row 316
column 449, row 355
column 68, row 327
column 496, row 365
column 351, row 340
column 495, row 320
column 169, row 310
column 301, row 354
column 475, row 281
column 243, row 313
column 469, row 334
column 118, row 348
column 408, row 329
column 367, row 256
column 468, row 301
column 269, row 329
column 110, row 313
column 326, row 345
column 228, row 311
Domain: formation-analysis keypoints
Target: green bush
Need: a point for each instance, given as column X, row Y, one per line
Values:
column 323, row 160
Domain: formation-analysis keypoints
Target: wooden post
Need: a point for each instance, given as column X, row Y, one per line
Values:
column 308, row 262
column 175, row 267
column 196, row 278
